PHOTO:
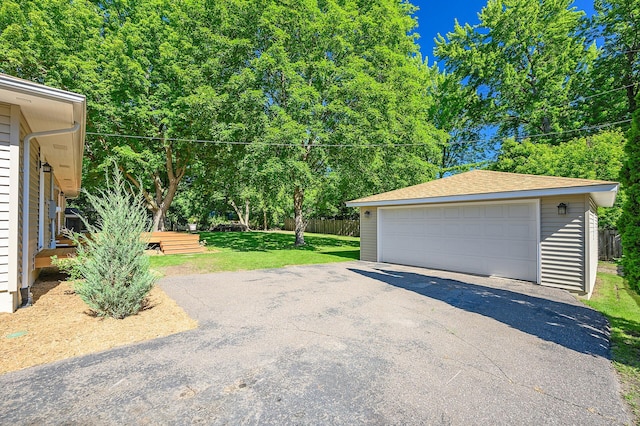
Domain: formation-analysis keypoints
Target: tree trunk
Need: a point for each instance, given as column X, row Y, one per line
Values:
column 243, row 217
column 160, row 212
column 158, row 220
column 298, row 199
column 159, row 205
column 264, row 218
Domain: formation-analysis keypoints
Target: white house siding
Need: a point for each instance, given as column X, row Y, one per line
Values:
column 369, row 234
column 9, row 200
column 562, row 242
column 5, row 193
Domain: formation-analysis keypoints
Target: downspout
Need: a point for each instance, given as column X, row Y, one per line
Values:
column 26, row 162
column 52, row 214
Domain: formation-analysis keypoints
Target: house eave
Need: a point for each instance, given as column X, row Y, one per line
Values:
column 604, row 196
column 45, row 109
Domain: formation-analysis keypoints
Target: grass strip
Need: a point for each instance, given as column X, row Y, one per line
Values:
column 621, row 305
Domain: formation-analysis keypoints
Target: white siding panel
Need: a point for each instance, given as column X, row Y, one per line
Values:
column 5, row 192
column 4, row 282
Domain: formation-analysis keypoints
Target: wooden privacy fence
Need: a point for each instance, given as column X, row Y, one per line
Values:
column 350, row 228
column 609, row 246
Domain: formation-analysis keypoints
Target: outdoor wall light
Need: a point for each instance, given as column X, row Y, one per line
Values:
column 46, row 167
column 562, row 208
column 367, row 214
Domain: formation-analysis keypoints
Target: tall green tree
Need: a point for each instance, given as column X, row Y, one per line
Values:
column 616, row 25
column 452, row 109
column 524, row 60
column 162, row 65
column 599, row 156
column 49, row 42
column 330, row 73
column 629, row 223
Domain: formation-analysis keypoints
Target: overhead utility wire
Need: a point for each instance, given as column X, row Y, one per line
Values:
column 584, row 98
column 539, row 135
column 396, row 145
column 581, row 99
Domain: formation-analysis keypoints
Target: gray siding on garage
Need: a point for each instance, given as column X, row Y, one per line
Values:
column 562, row 242
column 369, row 234
column 592, row 246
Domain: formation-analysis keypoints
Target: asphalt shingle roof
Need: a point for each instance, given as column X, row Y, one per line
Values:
column 478, row 182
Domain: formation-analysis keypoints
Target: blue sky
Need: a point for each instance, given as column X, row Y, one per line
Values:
column 437, row 16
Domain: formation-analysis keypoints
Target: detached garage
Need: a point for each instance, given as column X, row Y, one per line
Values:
column 535, row 228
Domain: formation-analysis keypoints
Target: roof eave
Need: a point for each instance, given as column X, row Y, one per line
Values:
column 28, row 87
column 71, row 183
column 604, row 195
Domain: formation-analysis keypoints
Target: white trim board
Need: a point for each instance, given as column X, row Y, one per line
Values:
column 604, row 195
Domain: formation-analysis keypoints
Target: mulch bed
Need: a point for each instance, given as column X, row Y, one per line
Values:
column 59, row 325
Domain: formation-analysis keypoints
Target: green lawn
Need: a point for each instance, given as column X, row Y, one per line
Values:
column 235, row 251
column 621, row 305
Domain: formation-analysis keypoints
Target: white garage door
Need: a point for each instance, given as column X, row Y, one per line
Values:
column 486, row 239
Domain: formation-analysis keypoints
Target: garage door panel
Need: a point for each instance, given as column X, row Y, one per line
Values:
column 494, row 211
column 524, row 231
column 434, row 213
column 451, row 212
column 433, row 231
column 472, row 230
column 451, row 229
column 519, row 211
column 490, row 239
column 473, row 212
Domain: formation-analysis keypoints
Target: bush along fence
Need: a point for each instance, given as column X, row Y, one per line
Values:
column 349, row 228
column 609, row 246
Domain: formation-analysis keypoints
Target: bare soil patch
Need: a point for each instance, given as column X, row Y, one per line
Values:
column 609, row 267
column 59, row 325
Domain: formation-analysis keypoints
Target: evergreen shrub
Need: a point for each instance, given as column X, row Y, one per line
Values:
column 111, row 268
column 629, row 223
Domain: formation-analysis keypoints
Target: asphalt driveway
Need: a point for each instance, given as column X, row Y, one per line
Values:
column 346, row 343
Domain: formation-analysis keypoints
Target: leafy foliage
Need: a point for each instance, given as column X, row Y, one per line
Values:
column 328, row 74
column 629, row 223
column 594, row 157
column 616, row 25
column 48, row 41
column 523, row 60
column 333, row 96
column 161, row 68
column 112, row 268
